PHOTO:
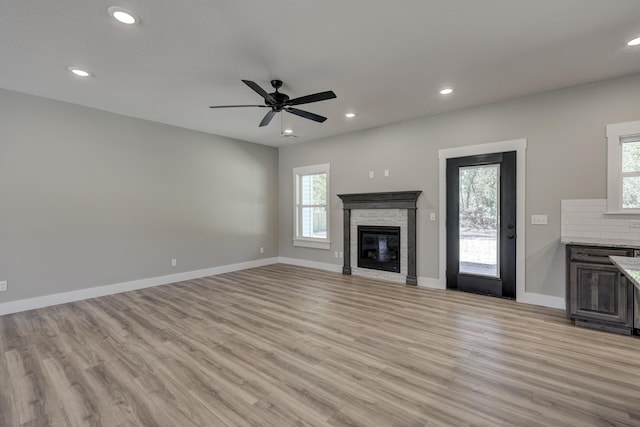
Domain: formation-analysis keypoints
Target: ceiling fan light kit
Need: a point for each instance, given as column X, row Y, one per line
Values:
column 79, row 72
column 279, row 102
column 123, row 15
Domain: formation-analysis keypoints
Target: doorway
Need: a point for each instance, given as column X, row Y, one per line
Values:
column 481, row 224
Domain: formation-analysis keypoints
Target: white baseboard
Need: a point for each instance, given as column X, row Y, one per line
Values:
column 543, row 300
column 429, row 282
column 98, row 291
column 82, row 294
column 433, row 283
column 311, row 264
column 527, row 298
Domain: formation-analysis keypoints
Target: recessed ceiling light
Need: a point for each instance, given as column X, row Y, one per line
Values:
column 446, row 91
column 79, row 72
column 123, row 15
column 634, row 42
column 288, row 131
column 350, row 115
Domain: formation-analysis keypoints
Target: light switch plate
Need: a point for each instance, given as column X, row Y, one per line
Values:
column 539, row 219
column 3, row 285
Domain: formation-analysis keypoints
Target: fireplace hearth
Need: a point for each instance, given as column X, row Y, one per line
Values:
column 379, row 248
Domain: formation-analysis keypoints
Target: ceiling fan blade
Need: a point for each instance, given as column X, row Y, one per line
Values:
column 260, row 91
column 235, row 106
column 321, row 96
column 267, row 118
column 306, row 115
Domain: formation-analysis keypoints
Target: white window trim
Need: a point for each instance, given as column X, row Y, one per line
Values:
column 308, row 242
column 615, row 134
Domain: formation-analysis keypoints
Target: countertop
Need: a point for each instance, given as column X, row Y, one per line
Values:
column 588, row 241
column 630, row 267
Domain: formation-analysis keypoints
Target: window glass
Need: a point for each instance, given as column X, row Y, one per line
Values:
column 631, row 192
column 314, row 189
column 631, row 156
column 314, row 222
column 631, row 173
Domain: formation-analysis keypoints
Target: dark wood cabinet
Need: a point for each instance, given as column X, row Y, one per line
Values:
column 598, row 295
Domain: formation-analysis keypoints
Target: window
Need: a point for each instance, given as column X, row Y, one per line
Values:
column 631, row 172
column 623, row 168
column 311, row 187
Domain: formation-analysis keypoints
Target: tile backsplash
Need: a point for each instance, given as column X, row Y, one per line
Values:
column 586, row 218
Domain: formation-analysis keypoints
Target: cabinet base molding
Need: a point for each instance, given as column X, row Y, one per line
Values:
column 603, row 326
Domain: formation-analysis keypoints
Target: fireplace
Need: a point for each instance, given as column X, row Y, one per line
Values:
column 379, row 248
column 392, row 209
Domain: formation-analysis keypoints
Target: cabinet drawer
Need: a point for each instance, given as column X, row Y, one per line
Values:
column 597, row 255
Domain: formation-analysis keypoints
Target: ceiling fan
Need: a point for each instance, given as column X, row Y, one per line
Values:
column 278, row 102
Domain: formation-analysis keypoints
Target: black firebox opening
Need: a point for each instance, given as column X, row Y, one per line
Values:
column 379, row 248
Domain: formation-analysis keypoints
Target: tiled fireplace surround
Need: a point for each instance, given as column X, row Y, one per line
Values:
column 394, row 209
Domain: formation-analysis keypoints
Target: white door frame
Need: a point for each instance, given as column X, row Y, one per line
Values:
column 520, row 147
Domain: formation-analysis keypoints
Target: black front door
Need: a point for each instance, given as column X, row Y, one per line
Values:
column 481, row 224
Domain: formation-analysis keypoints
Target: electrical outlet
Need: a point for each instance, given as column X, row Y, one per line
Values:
column 261, row 250
column 174, row 262
column 386, row 172
column 370, row 174
column 432, row 216
column 3, row 286
column 539, row 219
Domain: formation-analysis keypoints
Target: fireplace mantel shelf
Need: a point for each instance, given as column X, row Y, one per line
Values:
column 389, row 200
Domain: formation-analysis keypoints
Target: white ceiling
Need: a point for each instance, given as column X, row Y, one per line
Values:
column 385, row 60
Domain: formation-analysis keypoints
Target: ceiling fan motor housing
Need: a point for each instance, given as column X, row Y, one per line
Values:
column 280, row 98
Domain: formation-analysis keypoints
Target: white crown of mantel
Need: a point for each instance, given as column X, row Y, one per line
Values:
column 389, row 200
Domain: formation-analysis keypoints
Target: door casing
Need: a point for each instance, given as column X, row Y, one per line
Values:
column 520, row 146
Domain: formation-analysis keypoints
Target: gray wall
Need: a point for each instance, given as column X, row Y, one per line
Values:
column 566, row 159
column 90, row 198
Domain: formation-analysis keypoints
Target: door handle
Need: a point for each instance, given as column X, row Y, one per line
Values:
column 511, row 234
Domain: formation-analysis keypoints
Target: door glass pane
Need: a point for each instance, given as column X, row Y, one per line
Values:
column 479, row 219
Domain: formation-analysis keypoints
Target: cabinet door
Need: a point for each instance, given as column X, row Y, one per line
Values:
column 600, row 292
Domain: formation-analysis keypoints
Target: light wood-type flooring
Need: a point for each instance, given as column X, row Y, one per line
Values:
column 283, row 345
